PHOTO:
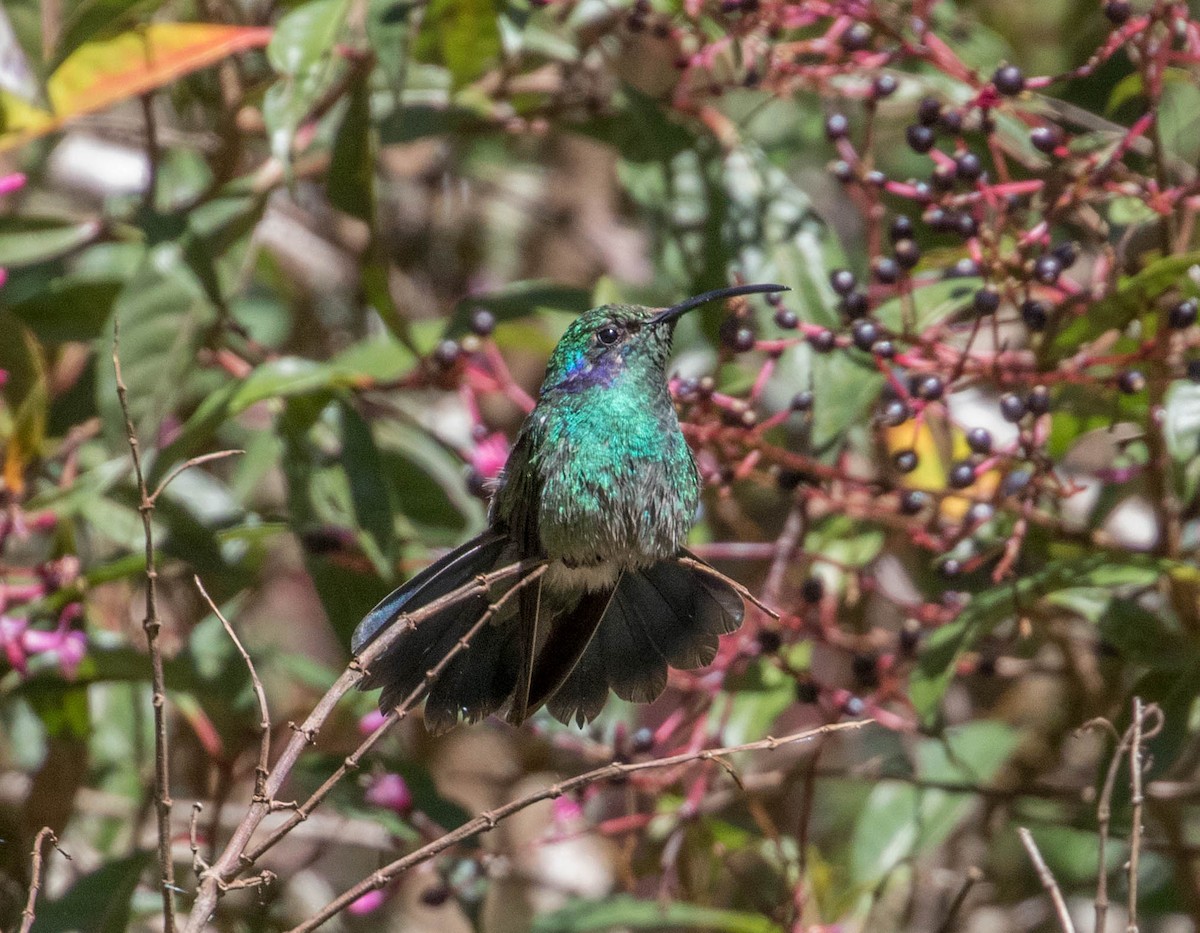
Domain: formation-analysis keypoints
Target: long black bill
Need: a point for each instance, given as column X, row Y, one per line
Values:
column 677, row 311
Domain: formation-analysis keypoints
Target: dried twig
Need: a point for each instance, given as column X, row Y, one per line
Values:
column 233, row 859
column 490, row 819
column 741, row 590
column 264, row 721
column 1136, row 801
column 187, row 465
column 974, row 876
column 151, row 626
column 1048, row 882
column 35, row 875
column 304, row 810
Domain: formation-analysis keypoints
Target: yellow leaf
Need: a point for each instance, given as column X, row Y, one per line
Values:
column 938, row 445
column 101, row 73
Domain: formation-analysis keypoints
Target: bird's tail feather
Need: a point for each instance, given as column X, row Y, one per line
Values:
column 667, row 615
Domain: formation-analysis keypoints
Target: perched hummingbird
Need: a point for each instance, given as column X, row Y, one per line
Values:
column 600, row 484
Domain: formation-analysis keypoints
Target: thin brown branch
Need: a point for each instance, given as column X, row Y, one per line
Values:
column 233, row 859
column 1137, row 800
column 264, row 721
column 490, row 819
column 974, row 876
column 35, row 875
column 187, row 465
column 1104, row 822
column 401, row 711
column 151, row 626
column 741, row 590
column 1060, row 905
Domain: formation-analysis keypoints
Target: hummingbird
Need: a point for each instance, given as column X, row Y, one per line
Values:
column 601, row 486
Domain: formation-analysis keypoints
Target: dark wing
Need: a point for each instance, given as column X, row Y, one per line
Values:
column 666, row 615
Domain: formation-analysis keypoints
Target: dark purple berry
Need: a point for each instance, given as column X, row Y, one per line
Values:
column 1015, row 482
column 942, row 177
column 741, row 340
column 885, row 85
column 807, row 691
column 483, row 322
column 865, row 333
column 1012, row 407
column 968, row 166
column 435, row 896
column 836, row 126
column 875, row 178
column 843, row 281
column 842, row 170
column 920, row 138
column 961, row 475
column 642, row 741
column 787, row 319
column 901, row 228
column 812, row 590
column 928, row 111
column 913, row 501
column 1045, row 138
column 865, row 670
column 1118, row 11
column 1182, row 315
column 1038, row 400
column 823, row 341
column 1131, row 382
column 1009, row 80
column 1035, row 314
column 855, row 305
column 895, row 413
column 986, row 300
column 1047, row 269
column 907, row 253
column 979, row 513
column 905, row 460
column 964, row 268
column 931, row 388
column 884, row 349
column 856, row 38
column 1066, row 253
column 980, row 441
column 950, row 567
column 802, row 401
column 951, row 121
column 886, row 270
column 769, row 641
column 447, row 353
column 965, row 225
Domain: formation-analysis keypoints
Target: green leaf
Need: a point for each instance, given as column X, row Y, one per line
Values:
column 28, row 240
column 900, row 820
column 302, row 52
column 98, row 902
column 164, row 314
column 639, row 129
column 845, row 388
column 69, row 309
column 986, row 610
column 1181, row 428
column 463, row 35
column 931, row 304
column 351, row 178
column 369, row 490
column 623, row 912
column 1133, row 297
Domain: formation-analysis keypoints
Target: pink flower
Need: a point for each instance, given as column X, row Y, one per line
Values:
column 370, row 722
column 21, row 642
column 390, row 791
column 490, row 455
column 371, row 901
column 11, row 183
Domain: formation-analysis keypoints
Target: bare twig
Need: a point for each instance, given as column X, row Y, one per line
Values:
column 151, row 625
column 490, row 819
column 187, row 465
column 974, row 876
column 1136, row 801
column 35, row 875
column 233, row 859
column 741, row 590
column 1104, row 821
column 264, row 721
column 1047, row 879
column 304, row 810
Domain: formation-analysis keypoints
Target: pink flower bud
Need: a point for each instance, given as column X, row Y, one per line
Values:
column 369, row 902
column 390, row 791
column 370, row 722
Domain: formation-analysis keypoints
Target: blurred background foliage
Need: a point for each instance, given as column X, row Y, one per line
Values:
column 342, row 236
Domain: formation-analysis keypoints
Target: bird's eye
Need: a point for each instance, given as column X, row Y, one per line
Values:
column 608, row 334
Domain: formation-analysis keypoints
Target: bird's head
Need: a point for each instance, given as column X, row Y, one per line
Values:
column 606, row 343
